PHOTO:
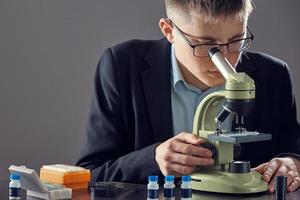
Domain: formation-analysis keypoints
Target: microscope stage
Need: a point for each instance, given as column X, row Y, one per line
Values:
column 239, row 137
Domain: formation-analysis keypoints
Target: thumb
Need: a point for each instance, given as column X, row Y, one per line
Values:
column 261, row 168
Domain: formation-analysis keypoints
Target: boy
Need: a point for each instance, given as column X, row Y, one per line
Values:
column 146, row 93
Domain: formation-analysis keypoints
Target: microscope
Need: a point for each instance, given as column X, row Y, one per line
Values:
column 237, row 101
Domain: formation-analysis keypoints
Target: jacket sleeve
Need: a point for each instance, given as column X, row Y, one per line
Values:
column 105, row 151
column 290, row 131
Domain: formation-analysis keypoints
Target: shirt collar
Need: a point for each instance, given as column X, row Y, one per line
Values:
column 176, row 72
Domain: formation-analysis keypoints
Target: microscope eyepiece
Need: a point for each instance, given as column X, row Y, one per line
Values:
column 221, row 62
column 212, row 51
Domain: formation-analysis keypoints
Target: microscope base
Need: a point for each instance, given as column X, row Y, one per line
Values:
column 210, row 180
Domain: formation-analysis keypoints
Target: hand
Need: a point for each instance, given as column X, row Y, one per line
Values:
column 281, row 166
column 181, row 155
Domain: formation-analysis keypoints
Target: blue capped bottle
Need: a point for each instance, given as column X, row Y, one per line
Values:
column 153, row 188
column 186, row 188
column 14, row 187
column 169, row 188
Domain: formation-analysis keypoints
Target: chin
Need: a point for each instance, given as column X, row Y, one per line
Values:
column 215, row 82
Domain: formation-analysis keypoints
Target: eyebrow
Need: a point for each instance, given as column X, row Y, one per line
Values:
column 211, row 39
column 237, row 36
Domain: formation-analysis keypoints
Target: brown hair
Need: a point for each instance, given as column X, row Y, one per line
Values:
column 211, row 8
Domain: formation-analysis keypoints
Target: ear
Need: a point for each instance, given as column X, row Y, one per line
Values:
column 166, row 29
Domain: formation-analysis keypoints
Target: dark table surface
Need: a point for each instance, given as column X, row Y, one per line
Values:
column 139, row 192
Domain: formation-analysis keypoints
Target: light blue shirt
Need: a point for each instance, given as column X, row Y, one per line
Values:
column 185, row 98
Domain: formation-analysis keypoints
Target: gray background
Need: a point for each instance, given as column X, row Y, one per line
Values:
column 48, row 54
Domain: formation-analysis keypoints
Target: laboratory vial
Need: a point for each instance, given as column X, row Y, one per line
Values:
column 153, row 188
column 186, row 188
column 280, row 187
column 14, row 187
column 169, row 188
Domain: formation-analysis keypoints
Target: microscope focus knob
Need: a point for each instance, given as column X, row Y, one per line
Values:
column 239, row 167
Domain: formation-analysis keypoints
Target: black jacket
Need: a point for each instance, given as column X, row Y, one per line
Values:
column 131, row 110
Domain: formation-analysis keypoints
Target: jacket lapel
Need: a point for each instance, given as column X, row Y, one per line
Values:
column 157, row 87
column 246, row 65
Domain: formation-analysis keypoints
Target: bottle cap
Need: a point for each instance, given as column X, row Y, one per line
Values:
column 14, row 176
column 152, row 178
column 185, row 178
column 169, row 178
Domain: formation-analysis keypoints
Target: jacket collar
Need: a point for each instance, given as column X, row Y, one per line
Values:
column 246, row 65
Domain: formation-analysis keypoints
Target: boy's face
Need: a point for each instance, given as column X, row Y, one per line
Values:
column 201, row 72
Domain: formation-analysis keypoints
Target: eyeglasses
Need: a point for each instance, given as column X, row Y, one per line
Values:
column 201, row 50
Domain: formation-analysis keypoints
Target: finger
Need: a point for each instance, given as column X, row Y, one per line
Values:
column 179, row 168
column 191, row 160
column 189, row 138
column 294, row 185
column 282, row 171
column 270, row 170
column 291, row 175
column 191, row 149
column 261, row 168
